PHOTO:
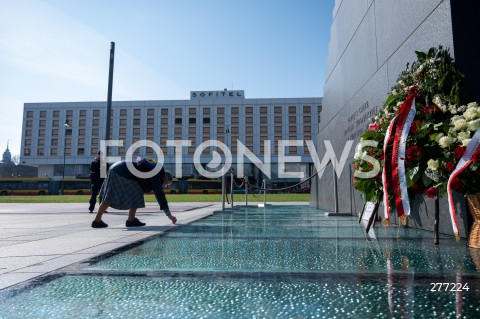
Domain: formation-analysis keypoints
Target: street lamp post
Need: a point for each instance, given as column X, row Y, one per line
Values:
column 67, row 125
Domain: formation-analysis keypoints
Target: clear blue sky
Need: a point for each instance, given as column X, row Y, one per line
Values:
column 58, row 51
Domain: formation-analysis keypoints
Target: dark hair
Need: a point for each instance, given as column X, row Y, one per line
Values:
column 168, row 176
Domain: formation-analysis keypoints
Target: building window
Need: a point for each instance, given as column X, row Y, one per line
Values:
column 263, row 129
column 94, row 141
column 249, row 120
column 307, row 129
column 192, row 111
column 220, row 130
column 123, row 112
column 234, row 120
column 41, row 142
column 29, row 114
column 164, row 121
column 150, row 121
column 40, row 152
column 137, row 112
column 43, row 113
column 81, row 151
column 249, row 129
column 292, row 149
column 178, row 121
column 307, row 119
column 81, row 141
column 122, row 131
column 306, row 109
column 263, row 110
column 42, row 123
column 192, row 130
column 96, row 122
column 292, row 129
column 206, row 120
column 164, row 131
column 82, row 122
column 249, row 139
column 26, row 152
column 164, row 112
column 206, row 130
column 123, row 122
column 278, row 129
column 178, row 111
column 28, row 133
column 29, row 123
column 83, row 113
column 178, row 131
column 206, row 111
column 55, row 132
column 95, row 132
column 234, row 130
column 221, row 110
column 220, row 120
column 81, row 131
column 235, row 110
column 28, row 142
column 54, row 122
column 136, row 121
column 292, row 109
column 41, row 132
column 249, row 110
column 263, row 119
column 56, row 113
column 136, row 130
column 151, row 112
column 53, row 152
column 292, row 119
column 278, row 110
column 150, row 130
column 192, row 120
column 96, row 113
column 277, row 120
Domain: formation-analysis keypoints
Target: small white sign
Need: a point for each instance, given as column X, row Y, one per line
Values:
column 368, row 211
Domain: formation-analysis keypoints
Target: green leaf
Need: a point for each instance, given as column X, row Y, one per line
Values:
column 412, row 175
column 426, row 180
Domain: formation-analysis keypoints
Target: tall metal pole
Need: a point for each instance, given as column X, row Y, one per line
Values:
column 109, row 97
column 335, row 189
column 223, row 192
column 67, row 125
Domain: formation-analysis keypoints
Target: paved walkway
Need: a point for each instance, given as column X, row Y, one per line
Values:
column 36, row 239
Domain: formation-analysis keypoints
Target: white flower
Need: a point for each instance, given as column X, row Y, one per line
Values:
column 439, row 136
column 460, row 124
column 452, row 109
column 473, row 125
column 445, row 141
column 462, row 108
column 470, row 113
column 472, row 104
column 433, row 164
column 401, row 82
column 463, row 135
column 394, row 92
column 465, row 142
column 473, row 168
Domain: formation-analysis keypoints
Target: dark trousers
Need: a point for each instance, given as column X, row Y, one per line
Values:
column 96, row 185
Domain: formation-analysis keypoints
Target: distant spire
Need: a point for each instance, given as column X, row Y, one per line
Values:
column 7, row 157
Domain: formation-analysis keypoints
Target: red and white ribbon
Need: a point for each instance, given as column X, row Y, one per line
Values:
column 386, row 205
column 405, row 118
column 463, row 163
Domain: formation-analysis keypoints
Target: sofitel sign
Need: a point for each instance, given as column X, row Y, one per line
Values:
column 214, row 94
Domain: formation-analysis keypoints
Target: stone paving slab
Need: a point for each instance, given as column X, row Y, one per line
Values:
column 36, row 239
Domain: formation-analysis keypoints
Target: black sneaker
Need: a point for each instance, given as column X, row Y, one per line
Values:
column 99, row 224
column 134, row 223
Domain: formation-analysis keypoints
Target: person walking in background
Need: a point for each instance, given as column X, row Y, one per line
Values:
column 96, row 181
column 124, row 190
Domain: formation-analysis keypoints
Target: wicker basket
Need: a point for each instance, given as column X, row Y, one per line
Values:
column 474, row 206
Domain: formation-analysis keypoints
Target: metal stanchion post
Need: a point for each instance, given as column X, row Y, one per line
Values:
column 264, row 192
column 231, row 188
column 223, row 192
column 245, row 178
column 335, row 191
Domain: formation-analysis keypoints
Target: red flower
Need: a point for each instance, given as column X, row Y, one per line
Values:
column 432, row 192
column 373, row 127
column 355, row 166
column 450, row 166
column 476, row 156
column 430, row 109
column 413, row 153
column 415, row 126
column 456, row 184
column 458, row 152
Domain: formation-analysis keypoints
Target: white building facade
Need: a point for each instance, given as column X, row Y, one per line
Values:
column 227, row 116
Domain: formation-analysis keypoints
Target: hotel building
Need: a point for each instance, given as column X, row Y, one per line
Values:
column 57, row 149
